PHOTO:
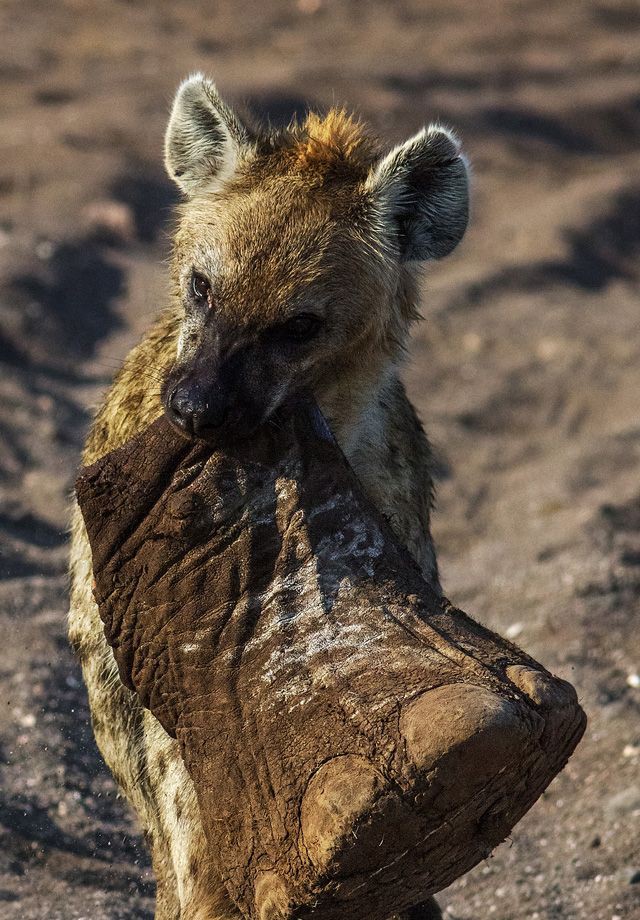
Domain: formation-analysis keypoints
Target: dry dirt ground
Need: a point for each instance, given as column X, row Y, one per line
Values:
column 526, row 371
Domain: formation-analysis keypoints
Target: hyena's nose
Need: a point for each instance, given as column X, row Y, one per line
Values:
column 194, row 411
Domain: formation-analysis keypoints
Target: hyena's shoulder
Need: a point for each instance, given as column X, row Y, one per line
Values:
column 134, row 399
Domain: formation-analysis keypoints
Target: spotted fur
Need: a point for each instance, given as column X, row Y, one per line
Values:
column 312, row 216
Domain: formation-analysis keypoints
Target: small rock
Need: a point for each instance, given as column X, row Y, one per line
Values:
column 586, row 872
column 634, row 878
column 472, row 342
column 633, row 680
column 548, row 349
column 44, row 250
column 623, row 803
column 112, row 220
column 513, row 631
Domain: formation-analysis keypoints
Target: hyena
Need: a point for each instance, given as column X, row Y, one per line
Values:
column 295, row 266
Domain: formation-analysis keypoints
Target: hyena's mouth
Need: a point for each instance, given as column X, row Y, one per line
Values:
column 200, row 413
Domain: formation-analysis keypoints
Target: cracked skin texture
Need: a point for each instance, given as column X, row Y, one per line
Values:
column 370, row 741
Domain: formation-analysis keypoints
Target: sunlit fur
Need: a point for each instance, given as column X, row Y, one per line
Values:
column 282, row 222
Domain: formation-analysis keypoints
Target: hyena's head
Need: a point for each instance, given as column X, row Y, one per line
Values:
column 294, row 254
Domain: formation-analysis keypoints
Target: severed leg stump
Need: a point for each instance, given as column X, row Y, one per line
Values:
column 356, row 743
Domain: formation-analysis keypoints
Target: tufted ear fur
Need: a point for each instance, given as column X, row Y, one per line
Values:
column 422, row 189
column 204, row 138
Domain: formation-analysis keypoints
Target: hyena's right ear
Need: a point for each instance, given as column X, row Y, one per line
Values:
column 422, row 190
column 204, row 138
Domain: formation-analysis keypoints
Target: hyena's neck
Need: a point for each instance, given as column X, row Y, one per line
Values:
column 363, row 397
column 357, row 408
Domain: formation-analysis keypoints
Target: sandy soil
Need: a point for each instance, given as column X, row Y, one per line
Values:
column 526, row 371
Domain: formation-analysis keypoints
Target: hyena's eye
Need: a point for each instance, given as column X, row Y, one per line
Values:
column 300, row 328
column 200, row 287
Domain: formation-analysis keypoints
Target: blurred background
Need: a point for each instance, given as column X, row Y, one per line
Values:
column 525, row 370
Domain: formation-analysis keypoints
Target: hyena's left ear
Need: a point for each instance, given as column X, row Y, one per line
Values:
column 205, row 139
column 422, row 188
